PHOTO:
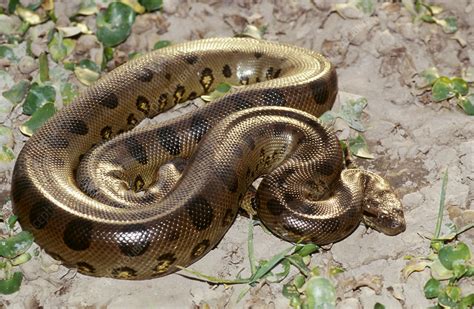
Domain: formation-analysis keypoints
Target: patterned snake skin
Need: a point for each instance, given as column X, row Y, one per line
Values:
column 135, row 205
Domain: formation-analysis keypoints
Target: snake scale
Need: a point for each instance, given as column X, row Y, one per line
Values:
column 134, row 204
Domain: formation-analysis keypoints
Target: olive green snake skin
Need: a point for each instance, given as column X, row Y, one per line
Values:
column 136, row 204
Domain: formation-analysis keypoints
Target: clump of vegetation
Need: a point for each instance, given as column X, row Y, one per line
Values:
column 14, row 249
column 307, row 289
column 450, row 261
column 444, row 88
column 422, row 11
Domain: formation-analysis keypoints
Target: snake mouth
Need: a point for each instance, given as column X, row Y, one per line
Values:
column 391, row 224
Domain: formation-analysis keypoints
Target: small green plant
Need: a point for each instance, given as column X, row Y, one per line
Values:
column 422, row 11
column 450, row 261
column 310, row 288
column 449, row 88
column 13, row 252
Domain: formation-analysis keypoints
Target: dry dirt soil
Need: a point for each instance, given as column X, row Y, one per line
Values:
column 412, row 138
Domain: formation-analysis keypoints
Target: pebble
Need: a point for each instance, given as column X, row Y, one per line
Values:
column 27, row 65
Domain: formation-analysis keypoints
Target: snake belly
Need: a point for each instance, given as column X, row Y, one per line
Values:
column 136, row 204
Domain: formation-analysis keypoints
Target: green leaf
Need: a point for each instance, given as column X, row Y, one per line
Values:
column 38, row 119
column 366, row 6
column 298, row 262
column 289, row 291
column 252, row 32
column 334, row 270
column 11, row 285
column 17, row 93
column 16, row 245
column 7, row 52
column 85, row 75
column 114, row 24
column 467, row 104
column 467, row 301
column 432, row 288
column 307, row 249
column 21, row 259
column 11, row 221
column 442, row 89
column 320, row 293
column 43, row 67
column 37, row 97
column 151, row 5
column 299, row 281
column 450, row 254
column 219, row 92
column 262, row 270
column 89, row 64
column 359, row 147
column 60, row 48
column 449, row 24
column 453, row 292
column 460, row 86
column 161, row 44
column 445, row 301
column 68, row 92
column 439, row 272
column 430, row 75
column 6, row 154
column 12, row 6
column 351, row 112
column 379, row 306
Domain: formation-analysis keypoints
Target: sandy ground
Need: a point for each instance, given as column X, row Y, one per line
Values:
column 413, row 139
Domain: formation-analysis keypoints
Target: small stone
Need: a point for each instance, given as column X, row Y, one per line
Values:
column 27, row 65
column 412, row 200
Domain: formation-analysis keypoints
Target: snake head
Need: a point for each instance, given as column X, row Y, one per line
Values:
column 382, row 209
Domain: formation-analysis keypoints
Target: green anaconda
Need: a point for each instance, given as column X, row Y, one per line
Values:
column 135, row 204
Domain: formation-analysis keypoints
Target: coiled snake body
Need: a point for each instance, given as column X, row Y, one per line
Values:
column 135, row 205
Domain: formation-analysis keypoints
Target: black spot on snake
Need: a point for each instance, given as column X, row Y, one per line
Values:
column 227, row 71
column 240, row 102
column 179, row 94
column 169, row 140
column 168, row 76
column 244, row 80
column 269, row 73
column 164, row 263
column 200, row 248
column 132, row 120
column 145, row 75
column 162, row 101
column 281, row 180
column 84, row 267
column 258, row 55
column 250, row 141
column 191, row 59
column 257, row 79
column 228, row 217
column 229, row 177
column 143, row 104
column 57, row 142
column 199, row 127
column 138, row 184
column 110, row 101
column 192, row 95
column 320, row 91
column 279, row 129
column 200, row 212
column 273, row 97
column 134, row 240
column 275, row 207
column 277, row 73
column 124, row 272
column 206, row 79
column 40, row 214
column 106, row 133
column 136, row 150
column 78, row 234
column 77, row 126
